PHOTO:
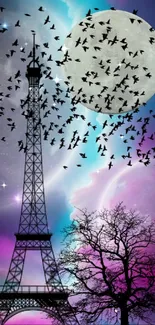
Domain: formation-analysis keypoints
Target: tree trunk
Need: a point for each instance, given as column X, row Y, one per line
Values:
column 124, row 316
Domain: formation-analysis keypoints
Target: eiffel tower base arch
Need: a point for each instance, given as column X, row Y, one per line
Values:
column 12, row 308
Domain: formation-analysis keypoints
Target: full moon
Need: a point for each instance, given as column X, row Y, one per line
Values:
column 110, row 62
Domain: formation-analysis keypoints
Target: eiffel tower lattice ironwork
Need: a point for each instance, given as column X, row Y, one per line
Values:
column 33, row 232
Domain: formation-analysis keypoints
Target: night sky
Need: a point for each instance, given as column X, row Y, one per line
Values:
column 93, row 185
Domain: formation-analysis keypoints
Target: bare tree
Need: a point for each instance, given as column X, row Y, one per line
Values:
column 110, row 260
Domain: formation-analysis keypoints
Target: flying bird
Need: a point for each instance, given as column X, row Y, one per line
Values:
column 83, row 155
column 88, row 13
column 108, row 22
column 135, row 12
column 15, row 43
column 132, row 20
column 129, row 163
column 148, row 75
column 152, row 40
column 110, row 164
column 46, row 45
column 78, row 42
column 47, row 20
column 41, row 9
column 17, row 24
column 69, row 35
column 85, row 48
column 114, row 41
column 124, row 47
column 52, row 27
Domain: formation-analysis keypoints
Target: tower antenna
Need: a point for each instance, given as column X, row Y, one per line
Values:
column 34, row 50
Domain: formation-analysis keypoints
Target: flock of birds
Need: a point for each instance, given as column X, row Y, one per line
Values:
column 113, row 96
column 123, row 120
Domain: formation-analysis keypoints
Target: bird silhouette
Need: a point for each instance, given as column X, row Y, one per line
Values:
column 17, row 24
column 46, row 45
column 78, row 42
column 136, row 53
column 56, row 38
column 69, row 35
column 52, row 27
column 129, row 163
column 124, row 47
column 15, row 43
column 135, row 12
column 47, row 20
column 132, row 20
column 85, row 48
column 41, row 9
column 148, row 75
column 114, row 41
column 83, row 155
column 88, row 13
column 110, row 164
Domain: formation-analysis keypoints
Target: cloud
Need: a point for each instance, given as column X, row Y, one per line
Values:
column 122, row 183
column 75, row 11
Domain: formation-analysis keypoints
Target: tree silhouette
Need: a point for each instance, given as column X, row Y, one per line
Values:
column 109, row 259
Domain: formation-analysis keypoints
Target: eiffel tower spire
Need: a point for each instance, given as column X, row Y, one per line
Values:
column 33, row 232
column 34, row 50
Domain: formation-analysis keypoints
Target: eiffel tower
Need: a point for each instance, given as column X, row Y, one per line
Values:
column 33, row 233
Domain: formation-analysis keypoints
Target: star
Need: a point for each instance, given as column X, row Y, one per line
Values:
column 64, row 48
column 4, row 25
column 26, row 43
column 3, row 185
column 54, row 104
column 57, row 80
column 17, row 198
